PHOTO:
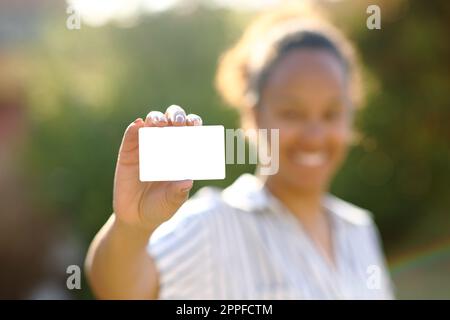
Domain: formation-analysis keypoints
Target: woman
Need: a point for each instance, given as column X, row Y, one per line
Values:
column 265, row 237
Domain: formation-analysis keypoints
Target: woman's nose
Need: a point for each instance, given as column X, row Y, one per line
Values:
column 313, row 132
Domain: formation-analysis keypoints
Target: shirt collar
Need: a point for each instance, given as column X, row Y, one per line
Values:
column 248, row 193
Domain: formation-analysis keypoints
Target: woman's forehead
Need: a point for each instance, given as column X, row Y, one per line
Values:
column 306, row 66
column 306, row 74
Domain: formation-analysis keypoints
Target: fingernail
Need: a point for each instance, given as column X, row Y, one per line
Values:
column 156, row 118
column 137, row 120
column 179, row 118
column 187, row 185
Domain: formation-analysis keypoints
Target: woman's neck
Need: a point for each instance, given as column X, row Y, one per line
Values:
column 304, row 204
column 307, row 207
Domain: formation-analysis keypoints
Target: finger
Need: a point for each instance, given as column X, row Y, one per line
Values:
column 193, row 120
column 156, row 119
column 176, row 115
column 130, row 140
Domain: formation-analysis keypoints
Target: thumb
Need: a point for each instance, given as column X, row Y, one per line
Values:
column 130, row 142
column 177, row 192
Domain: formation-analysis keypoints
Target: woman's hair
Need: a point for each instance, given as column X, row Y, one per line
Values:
column 244, row 68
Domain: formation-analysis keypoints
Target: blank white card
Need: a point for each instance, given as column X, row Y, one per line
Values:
column 179, row 153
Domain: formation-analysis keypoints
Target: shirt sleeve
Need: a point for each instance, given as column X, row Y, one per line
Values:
column 181, row 249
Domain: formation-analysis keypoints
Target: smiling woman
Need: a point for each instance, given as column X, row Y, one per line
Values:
column 281, row 236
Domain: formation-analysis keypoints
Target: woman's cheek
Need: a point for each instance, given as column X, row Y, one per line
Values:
column 340, row 137
column 288, row 136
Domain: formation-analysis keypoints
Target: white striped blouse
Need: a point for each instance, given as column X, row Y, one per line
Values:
column 242, row 243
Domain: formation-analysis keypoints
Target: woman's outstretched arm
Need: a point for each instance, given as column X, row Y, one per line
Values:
column 118, row 265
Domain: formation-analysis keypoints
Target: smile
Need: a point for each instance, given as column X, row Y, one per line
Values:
column 311, row 159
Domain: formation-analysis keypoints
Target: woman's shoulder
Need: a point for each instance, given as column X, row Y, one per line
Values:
column 205, row 202
column 348, row 212
column 354, row 222
column 244, row 194
column 197, row 212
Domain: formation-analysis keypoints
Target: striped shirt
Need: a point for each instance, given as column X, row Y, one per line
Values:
column 242, row 243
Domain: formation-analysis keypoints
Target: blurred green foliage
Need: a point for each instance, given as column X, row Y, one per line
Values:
column 401, row 169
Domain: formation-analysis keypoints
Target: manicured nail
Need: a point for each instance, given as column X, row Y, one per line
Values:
column 179, row 118
column 187, row 185
column 156, row 118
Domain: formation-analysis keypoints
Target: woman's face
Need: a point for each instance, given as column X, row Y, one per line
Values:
column 306, row 98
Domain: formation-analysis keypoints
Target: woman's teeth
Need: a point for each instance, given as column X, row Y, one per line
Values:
column 310, row 158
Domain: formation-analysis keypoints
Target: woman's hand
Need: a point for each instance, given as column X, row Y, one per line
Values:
column 146, row 205
column 118, row 265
